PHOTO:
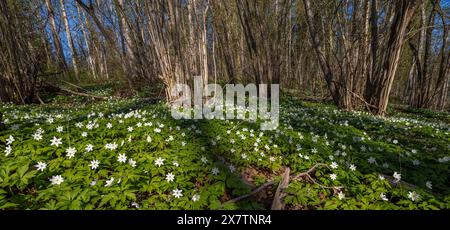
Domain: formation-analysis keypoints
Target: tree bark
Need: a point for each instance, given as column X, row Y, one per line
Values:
column 70, row 40
column 379, row 83
column 56, row 39
column 319, row 50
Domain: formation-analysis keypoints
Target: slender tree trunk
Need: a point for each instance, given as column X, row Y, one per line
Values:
column 56, row 40
column 90, row 59
column 125, row 63
column 321, row 57
column 205, row 45
column 192, row 19
column 443, row 81
column 69, row 39
column 123, row 23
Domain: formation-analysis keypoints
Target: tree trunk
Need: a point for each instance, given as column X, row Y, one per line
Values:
column 379, row 84
column 123, row 23
column 205, row 46
column 321, row 57
column 56, row 40
column 70, row 40
column 90, row 59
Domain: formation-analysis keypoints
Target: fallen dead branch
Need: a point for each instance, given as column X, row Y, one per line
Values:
column 283, row 185
column 83, row 94
column 254, row 192
column 76, row 86
column 277, row 203
column 77, row 93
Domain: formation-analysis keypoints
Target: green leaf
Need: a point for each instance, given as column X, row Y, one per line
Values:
column 22, row 170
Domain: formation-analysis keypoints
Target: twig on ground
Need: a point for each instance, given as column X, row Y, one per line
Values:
column 313, row 169
column 309, row 171
column 256, row 191
column 396, row 183
column 335, row 188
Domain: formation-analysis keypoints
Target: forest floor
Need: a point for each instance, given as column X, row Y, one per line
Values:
column 131, row 154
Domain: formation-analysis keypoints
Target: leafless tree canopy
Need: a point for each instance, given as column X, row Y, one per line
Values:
column 358, row 53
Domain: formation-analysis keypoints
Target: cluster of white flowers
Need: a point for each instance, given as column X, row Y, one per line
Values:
column 352, row 167
column 195, row 198
column 10, row 140
column 89, row 148
column 111, row 146
column 159, row 162
column 170, row 177
column 109, row 182
column 413, row 196
column 56, row 142
column 215, row 171
column 132, row 162
column 122, row 158
column 41, row 166
column 8, row 150
column 263, row 144
column 204, row 160
column 334, row 165
column 444, row 159
column 429, row 185
column 383, row 197
column 333, row 176
column 177, row 193
column 341, row 195
column 71, row 152
column 397, row 176
column 79, row 125
column 57, row 180
column 94, row 164
column 37, row 136
column 59, row 129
